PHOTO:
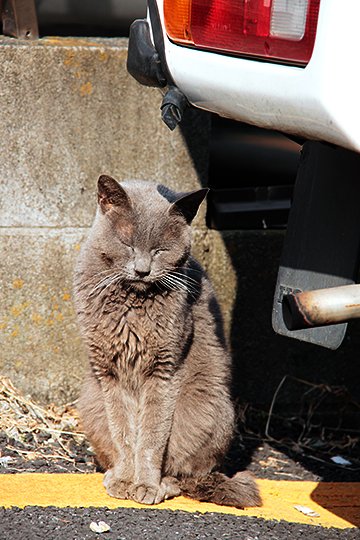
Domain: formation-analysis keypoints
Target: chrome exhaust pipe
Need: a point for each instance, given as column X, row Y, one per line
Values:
column 323, row 307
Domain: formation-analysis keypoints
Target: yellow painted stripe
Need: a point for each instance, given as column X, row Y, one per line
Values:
column 338, row 504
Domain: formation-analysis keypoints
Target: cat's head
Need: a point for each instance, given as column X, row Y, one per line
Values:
column 142, row 231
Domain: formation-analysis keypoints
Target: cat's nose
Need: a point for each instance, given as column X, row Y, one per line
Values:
column 142, row 273
column 142, row 265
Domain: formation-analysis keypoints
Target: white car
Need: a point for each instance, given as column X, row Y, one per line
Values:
column 290, row 66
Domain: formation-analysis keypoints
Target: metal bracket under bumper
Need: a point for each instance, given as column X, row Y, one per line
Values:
column 143, row 61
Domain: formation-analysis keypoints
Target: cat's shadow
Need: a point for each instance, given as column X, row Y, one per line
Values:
column 239, row 456
column 195, row 129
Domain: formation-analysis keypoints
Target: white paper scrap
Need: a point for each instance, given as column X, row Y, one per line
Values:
column 100, row 527
column 306, row 510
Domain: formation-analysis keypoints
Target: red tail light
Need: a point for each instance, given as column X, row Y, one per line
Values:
column 279, row 30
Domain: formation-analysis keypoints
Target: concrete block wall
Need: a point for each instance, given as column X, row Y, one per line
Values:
column 69, row 112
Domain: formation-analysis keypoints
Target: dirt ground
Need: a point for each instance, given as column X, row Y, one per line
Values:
column 49, row 439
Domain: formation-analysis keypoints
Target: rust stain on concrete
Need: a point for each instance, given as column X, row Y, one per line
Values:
column 69, row 42
column 70, row 59
column 18, row 309
column 37, row 318
column 15, row 332
column 103, row 56
column 86, row 89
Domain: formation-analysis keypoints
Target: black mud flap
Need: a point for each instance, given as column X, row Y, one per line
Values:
column 321, row 247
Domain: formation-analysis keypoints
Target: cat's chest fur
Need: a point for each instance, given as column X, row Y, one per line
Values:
column 141, row 333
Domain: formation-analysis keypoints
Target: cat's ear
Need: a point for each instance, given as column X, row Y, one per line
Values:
column 188, row 205
column 111, row 193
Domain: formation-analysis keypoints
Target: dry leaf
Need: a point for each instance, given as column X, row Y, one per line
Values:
column 37, row 428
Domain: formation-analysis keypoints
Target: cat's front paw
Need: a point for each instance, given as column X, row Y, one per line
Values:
column 120, row 489
column 115, row 487
column 108, row 478
column 145, row 494
column 170, row 487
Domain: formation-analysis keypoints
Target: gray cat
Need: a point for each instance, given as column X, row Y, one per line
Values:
column 156, row 404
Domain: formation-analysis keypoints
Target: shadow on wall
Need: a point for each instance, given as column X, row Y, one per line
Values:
column 111, row 18
column 262, row 358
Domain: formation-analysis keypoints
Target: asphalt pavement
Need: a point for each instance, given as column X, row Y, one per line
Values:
column 132, row 524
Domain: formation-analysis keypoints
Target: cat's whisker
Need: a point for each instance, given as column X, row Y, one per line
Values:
column 167, row 273
column 164, row 281
column 168, row 285
column 180, row 285
column 185, row 276
column 115, row 280
column 176, row 282
column 186, row 279
column 194, row 287
column 108, row 272
column 104, row 283
column 190, row 290
column 94, row 276
column 99, row 286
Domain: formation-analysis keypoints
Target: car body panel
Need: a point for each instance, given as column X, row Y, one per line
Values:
column 317, row 102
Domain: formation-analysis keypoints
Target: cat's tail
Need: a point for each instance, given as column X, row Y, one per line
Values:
column 240, row 490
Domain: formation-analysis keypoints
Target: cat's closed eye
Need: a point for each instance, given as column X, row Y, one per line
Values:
column 126, row 244
column 157, row 251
